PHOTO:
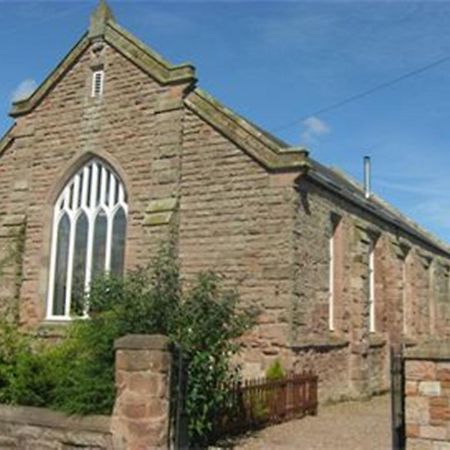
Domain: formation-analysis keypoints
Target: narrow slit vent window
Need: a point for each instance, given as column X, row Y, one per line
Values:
column 97, row 83
column 89, row 227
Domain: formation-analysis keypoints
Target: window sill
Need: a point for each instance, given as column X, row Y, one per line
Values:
column 327, row 342
column 376, row 340
column 52, row 329
column 409, row 341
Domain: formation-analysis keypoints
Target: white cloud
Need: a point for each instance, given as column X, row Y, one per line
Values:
column 24, row 90
column 314, row 128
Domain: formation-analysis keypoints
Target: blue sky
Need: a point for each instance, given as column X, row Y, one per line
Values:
column 279, row 62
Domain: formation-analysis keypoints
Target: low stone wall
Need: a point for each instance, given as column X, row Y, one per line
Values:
column 140, row 419
column 26, row 428
column 427, row 397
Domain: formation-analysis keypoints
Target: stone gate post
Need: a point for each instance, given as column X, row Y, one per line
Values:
column 141, row 410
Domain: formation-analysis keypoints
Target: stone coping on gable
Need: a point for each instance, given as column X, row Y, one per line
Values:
column 6, row 139
column 42, row 417
column 270, row 152
column 432, row 350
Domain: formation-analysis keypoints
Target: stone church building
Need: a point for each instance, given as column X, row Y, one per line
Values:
column 117, row 148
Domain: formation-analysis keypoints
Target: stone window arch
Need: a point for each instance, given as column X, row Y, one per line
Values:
column 88, row 236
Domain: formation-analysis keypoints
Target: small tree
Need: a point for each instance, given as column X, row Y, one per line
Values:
column 208, row 325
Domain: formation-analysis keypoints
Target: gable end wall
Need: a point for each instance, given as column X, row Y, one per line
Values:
column 129, row 127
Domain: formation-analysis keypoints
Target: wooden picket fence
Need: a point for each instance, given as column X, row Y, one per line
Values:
column 261, row 402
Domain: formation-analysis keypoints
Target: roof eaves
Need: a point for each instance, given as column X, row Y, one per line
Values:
column 272, row 153
column 349, row 189
column 396, row 213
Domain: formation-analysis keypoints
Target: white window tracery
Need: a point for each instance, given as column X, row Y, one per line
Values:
column 88, row 237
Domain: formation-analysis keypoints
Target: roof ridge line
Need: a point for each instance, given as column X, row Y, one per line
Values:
column 393, row 209
column 385, row 206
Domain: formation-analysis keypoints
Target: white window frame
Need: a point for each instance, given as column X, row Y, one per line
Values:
column 102, row 177
column 372, row 296
column 331, row 294
column 98, row 78
column 431, row 297
column 404, row 296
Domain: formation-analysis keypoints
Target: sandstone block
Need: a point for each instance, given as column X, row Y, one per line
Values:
column 439, row 413
column 417, row 410
column 419, row 444
column 411, row 387
column 430, row 388
column 443, row 371
column 420, row 370
column 148, row 383
column 412, row 430
column 433, row 432
column 441, row 445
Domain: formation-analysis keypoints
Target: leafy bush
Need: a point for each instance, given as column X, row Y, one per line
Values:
column 77, row 375
column 143, row 302
column 25, row 377
column 207, row 328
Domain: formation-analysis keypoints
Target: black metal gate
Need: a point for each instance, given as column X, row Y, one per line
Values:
column 179, row 420
column 397, row 398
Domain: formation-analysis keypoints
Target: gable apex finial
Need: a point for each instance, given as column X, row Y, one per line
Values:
column 101, row 15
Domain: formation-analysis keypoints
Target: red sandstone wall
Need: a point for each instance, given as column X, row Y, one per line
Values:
column 237, row 219
column 125, row 126
column 366, row 354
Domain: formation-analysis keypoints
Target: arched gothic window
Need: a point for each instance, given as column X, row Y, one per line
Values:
column 89, row 226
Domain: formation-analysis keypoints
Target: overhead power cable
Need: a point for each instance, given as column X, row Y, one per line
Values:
column 352, row 98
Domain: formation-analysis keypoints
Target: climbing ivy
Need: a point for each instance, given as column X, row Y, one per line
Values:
column 13, row 257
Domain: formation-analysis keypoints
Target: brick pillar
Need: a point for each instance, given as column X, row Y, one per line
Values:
column 427, row 396
column 141, row 411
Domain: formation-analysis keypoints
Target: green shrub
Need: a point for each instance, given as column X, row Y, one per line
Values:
column 77, row 375
column 25, row 377
column 208, row 325
column 275, row 371
column 143, row 302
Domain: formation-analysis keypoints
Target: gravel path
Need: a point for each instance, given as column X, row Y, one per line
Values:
column 348, row 426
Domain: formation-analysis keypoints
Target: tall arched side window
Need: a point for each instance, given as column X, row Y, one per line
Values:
column 89, row 227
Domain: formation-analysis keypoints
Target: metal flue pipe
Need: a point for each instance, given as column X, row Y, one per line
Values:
column 367, row 177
